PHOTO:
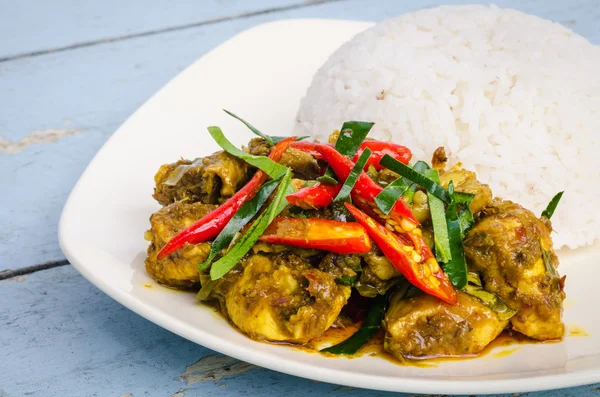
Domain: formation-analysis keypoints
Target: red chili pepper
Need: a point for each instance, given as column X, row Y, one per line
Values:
column 319, row 195
column 380, row 149
column 209, row 226
column 322, row 234
column 365, row 190
column 422, row 271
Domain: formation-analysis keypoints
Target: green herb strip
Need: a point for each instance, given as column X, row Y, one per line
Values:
column 466, row 220
column 368, row 328
column 263, row 163
column 347, row 280
column 352, row 135
column 456, row 268
column 250, row 237
column 549, row 211
column 246, row 212
column 438, row 219
column 548, row 262
column 421, row 167
column 344, row 194
column 206, row 290
column 391, row 193
column 400, row 187
column 463, row 198
column 409, row 173
column 271, row 140
column 327, row 179
column 490, row 300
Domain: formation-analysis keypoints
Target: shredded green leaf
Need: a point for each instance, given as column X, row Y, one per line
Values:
column 417, row 177
column 387, row 198
column 246, row 212
column 206, row 289
column 347, row 280
column 465, row 218
column 271, row 140
column 421, row 167
column 368, row 328
column 352, row 135
column 263, row 163
column 250, row 237
column 490, row 300
column 548, row 261
column 438, row 219
column 327, row 179
column 344, row 194
column 463, row 198
column 549, row 211
column 456, row 268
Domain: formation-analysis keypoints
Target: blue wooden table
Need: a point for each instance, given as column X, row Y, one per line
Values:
column 70, row 74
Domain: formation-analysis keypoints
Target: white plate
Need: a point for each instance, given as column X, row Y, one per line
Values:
column 261, row 74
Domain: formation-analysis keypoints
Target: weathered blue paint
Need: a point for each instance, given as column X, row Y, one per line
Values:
column 61, row 336
column 94, row 89
column 33, row 26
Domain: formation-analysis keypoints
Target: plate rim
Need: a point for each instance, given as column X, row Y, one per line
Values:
column 287, row 366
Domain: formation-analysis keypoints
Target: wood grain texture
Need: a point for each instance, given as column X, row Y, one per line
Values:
column 92, row 90
column 37, row 26
column 63, row 337
column 60, row 335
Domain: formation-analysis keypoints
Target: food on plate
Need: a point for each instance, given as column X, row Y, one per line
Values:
column 289, row 238
column 513, row 97
column 509, row 248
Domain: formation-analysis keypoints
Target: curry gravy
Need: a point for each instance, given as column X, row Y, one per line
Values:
column 374, row 347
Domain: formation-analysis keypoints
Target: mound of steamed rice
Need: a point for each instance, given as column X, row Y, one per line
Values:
column 513, row 97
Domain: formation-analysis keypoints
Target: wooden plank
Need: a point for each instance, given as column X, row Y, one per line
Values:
column 33, row 26
column 80, row 97
column 63, row 337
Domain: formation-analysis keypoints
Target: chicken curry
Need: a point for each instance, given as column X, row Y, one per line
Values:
column 289, row 238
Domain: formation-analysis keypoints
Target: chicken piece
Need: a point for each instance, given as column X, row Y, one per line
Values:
column 259, row 147
column 281, row 298
column 424, row 326
column 207, row 180
column 378, row 274
column 303, row 165
column 512, row 250
column 179, row 269
column 466, row 182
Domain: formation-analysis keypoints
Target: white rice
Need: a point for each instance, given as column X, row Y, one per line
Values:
column 513, row 97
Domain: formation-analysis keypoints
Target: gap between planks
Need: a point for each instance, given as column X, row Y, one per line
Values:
column 167, row 29
column 8, row 274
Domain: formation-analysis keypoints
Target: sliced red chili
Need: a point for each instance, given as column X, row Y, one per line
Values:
column 365, row 190
column 209, row 226
column 422, row 271
column 322, row 234
column 380, row 149
column 319, row 195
